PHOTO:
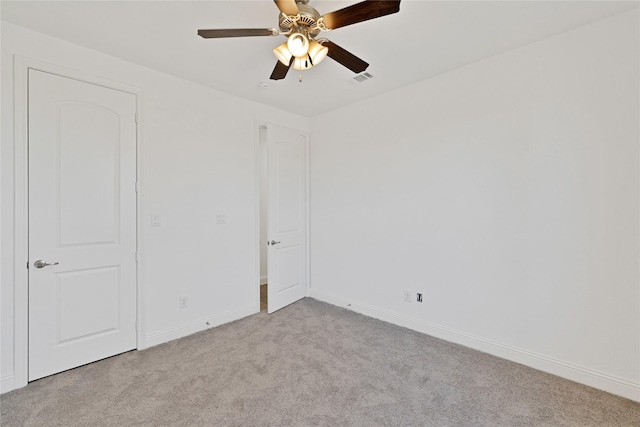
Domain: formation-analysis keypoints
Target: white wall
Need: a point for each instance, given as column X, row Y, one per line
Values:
column 506, row 191
column 199, row 160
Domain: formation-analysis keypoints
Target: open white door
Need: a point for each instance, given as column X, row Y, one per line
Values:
column 82, row 223
column 287, row 217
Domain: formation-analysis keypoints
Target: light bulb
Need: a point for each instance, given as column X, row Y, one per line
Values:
column 317, row 52
column 298, row 44
column 302, row 63
column 282, row 53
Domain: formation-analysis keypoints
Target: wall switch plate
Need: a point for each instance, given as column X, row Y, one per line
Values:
column 408, row 296
column 184, row 302
column 221, row 219
column 155, row 220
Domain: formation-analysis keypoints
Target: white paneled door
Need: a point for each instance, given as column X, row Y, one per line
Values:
column 287, row 217
column 82, row 223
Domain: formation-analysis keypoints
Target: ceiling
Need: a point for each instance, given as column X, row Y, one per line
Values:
column 424, row 39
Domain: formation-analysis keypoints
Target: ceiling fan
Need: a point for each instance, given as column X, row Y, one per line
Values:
column 302, row 24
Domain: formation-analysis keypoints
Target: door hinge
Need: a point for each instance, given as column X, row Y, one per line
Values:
column 136, row 256
column 27, row 265
column 137, row 187
column 136, row 116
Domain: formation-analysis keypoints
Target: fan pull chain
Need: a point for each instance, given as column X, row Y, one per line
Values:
column 300, row 78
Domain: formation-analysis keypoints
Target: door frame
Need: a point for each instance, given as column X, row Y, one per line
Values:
column 257, row 125
column 21, row 67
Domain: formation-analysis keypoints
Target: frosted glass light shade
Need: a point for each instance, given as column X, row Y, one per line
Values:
column 302, row 63
column 283, row 54
column 317, row 52
column 298, row 44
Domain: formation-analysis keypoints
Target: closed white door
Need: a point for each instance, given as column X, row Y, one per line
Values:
column 82, row 223
column 287, row 217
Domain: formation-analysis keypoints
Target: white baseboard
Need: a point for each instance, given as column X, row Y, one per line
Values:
column 7, row 383
column 180, row 331
column 599, row 380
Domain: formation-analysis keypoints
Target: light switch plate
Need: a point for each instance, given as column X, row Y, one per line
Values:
column 155, row 220
column 221, row 219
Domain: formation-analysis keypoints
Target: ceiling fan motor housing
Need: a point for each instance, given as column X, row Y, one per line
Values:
column 307, row 18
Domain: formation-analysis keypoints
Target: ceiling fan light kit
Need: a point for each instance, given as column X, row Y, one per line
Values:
column 301, row 64
column 301, row 24
column 283, row 54
column 298, row 44
column 317, row 52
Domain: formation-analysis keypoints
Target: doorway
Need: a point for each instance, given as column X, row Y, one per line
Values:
column 264, row 197
column 283, row 209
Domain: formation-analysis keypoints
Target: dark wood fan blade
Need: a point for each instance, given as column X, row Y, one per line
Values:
column 288, row 7
column 346, row 58
column 281, row 70
column 363, row 11
column 238, row 32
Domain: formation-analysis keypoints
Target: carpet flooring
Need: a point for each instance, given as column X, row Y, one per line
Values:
column 310, row 363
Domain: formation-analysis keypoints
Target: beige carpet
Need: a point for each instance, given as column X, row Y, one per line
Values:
column 310, row 364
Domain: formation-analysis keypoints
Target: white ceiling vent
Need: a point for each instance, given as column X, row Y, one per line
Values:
column 361, row 78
